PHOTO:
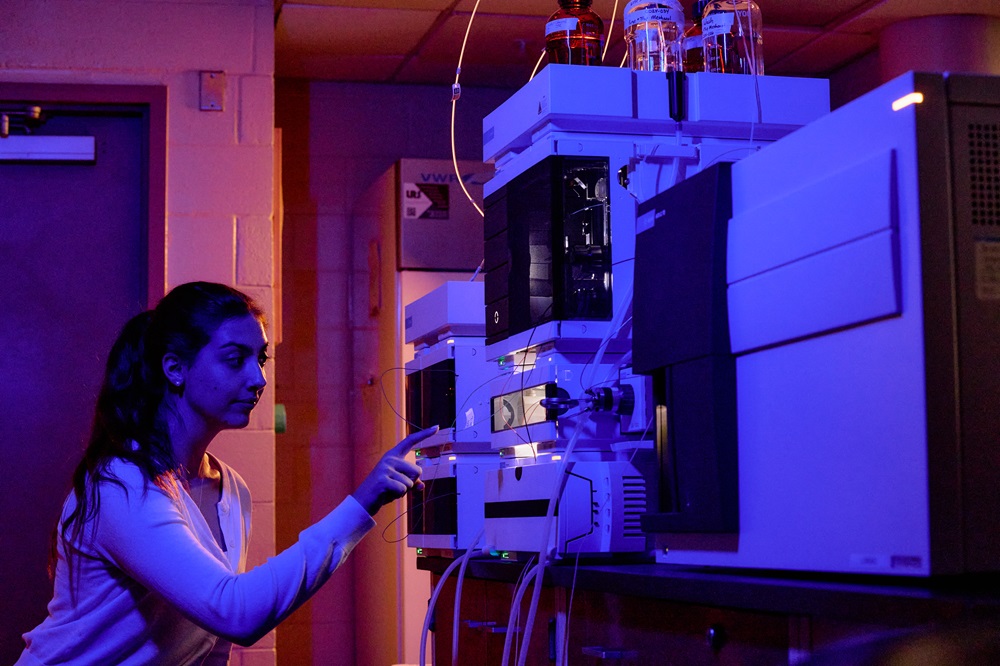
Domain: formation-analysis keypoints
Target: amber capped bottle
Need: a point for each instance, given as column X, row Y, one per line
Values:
column 694, row 50
column 574, row 35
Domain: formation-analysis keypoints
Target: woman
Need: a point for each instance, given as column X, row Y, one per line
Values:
column 151, row 546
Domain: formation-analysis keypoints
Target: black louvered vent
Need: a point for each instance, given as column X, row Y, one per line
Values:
column 984, row 173
column 634, row 492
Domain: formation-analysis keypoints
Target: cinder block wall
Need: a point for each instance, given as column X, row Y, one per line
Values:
column 338, row 139
column 220, row 165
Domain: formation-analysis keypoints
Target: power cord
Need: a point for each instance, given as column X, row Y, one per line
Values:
column 456, row 92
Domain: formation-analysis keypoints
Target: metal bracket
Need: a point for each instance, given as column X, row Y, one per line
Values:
column 213, row 91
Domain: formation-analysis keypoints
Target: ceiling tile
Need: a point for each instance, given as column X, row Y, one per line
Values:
column 780, row 42
column 542, row 8
column 434, row 5
column 823, row 55
column 418, row 41
column 805, row 13
column 496, row 76
column 513, row 41
column 891, row 11
column 493, row 39
column 338, row 68
column 349, row 30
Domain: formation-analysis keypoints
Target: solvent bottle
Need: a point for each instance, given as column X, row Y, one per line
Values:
column 653, row 30
column 732, row 35
column 574, row 35
column 692, row 43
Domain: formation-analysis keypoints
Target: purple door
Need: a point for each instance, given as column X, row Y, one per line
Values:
column 73, row 269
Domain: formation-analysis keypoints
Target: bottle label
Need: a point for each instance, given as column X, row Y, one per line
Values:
column 658, row 14
column 561, row 25
column 694, row 42
column 717, row 24
column 632, row 5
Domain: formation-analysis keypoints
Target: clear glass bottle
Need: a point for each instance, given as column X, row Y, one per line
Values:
column 732, row 35
column 574, row 35
column 692, row 43
column 653, row 30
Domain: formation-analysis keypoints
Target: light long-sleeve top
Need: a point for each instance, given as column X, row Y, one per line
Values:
column 147, row 582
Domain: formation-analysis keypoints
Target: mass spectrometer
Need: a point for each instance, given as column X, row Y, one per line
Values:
column 859, row 282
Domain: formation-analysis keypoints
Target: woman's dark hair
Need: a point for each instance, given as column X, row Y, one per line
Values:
column 127, row 423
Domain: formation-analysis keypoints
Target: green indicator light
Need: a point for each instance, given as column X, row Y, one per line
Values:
column 505, row 555
column 420, row 551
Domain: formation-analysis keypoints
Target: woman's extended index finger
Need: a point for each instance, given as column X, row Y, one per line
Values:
column 410, row 442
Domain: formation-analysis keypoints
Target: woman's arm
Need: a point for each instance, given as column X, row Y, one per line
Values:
column 148, row 537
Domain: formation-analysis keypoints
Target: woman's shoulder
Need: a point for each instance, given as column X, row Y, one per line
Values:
column 124, row 472
column 120, row 494
column 126, row 480
column 231, row 479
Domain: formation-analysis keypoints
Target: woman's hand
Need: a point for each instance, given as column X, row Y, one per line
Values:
column 393, row 476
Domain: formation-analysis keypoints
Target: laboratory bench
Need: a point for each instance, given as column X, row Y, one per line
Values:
column 647, row 613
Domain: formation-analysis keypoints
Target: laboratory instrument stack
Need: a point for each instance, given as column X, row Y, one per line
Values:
column 572, row 422
column 447, row 386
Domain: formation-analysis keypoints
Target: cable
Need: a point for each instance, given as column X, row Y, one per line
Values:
column 430, row 609
column 569, row 612
column 561, row 482
column 514, row 615
column 456, row 92
column 642, row 438
column 537, row 63
column 381, row 384
column 615, row 326
column 515, row 612
column 514, row 608
column 458, row 411
column 458, row 595
column 479, row 269
column 524, row 370
column 749, row 47
column 611, row 29
column 523, row 365
column 617, row 323
column 433, row 601
column 720, row 156
column 509, row 425
column 521, row 576
column 547, row 530
column 404, row 513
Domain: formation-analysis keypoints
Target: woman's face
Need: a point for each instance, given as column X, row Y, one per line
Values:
column 224, row 382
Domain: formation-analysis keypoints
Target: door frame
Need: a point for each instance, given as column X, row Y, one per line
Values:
column 154, row 196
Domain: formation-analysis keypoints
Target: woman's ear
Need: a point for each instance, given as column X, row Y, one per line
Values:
column 173, row 369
